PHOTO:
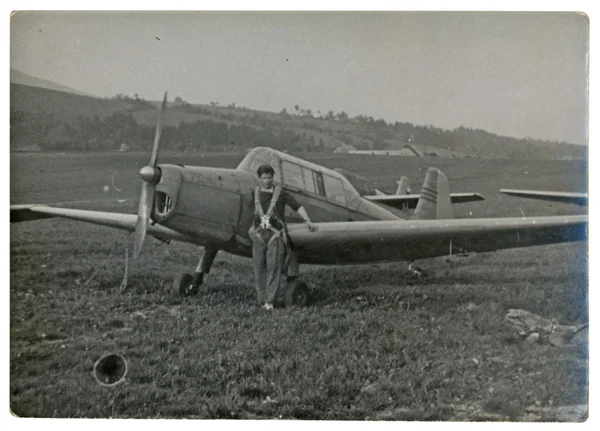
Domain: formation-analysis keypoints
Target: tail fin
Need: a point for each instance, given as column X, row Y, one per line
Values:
column 403, row 188
column 434, row 202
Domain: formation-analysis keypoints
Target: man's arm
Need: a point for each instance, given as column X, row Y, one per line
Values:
column 302, row 212
column 295, row 205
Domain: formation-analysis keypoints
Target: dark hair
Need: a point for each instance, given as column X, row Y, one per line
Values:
column 265, row 169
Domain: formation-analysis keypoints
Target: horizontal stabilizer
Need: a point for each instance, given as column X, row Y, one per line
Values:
column 566, row 197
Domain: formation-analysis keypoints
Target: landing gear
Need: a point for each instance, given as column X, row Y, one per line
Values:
column 296, row 294
column 183, row 285
column 187, row 284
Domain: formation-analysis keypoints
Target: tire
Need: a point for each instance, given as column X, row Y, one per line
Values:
column 181, row 285
column 297, row 294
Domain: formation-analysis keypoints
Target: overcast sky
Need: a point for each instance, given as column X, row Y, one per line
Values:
column 516, row 74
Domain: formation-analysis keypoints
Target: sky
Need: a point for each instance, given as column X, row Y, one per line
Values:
column 517, row 74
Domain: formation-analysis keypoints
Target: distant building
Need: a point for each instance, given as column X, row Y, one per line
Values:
column 344, row 149
column 407, row 150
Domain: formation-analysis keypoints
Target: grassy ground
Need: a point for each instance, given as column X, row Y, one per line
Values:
column 375, row 345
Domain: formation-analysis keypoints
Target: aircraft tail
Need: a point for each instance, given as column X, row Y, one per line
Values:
column 434, row 201
column 403, row 188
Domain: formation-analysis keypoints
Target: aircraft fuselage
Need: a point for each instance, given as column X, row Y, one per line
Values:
column 214, row 205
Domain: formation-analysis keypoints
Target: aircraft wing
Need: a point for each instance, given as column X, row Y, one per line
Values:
column 369, row 241
column 567, row 197
column 381, row 241
column 410, row 201
column 19, row 213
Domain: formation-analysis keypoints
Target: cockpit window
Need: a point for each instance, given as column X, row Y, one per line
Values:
column 334, row 189
column 302, row 175
column 277, row 167
column 258, row 157
column 318, row 176
column 292, row 174
column 309, row 181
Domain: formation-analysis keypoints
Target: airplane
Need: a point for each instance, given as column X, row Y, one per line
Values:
column 402, row 199
column 212, row 207
column 580, row 199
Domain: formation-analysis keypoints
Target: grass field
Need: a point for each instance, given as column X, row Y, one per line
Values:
column 375, row 345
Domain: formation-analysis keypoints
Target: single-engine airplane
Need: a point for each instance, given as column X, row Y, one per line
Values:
column 212, row 207
column 402, row 200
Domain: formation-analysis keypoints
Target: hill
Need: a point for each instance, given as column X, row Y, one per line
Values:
column 18, row 77
column 61, row 120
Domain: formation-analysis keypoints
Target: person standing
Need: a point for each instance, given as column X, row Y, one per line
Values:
column 270, row 244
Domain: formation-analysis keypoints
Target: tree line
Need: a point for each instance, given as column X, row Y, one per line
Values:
column 121, row 130
column 236, row 127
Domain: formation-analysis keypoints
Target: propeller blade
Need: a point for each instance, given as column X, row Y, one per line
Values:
column 151, row 176
column 154, row 156
column 144, row 208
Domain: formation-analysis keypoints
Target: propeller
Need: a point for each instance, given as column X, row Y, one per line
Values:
column 151, row 176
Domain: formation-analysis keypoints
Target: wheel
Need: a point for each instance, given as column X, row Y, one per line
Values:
column 182, row 285
column 296, row 294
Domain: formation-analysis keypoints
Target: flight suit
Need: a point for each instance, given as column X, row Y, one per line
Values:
column 270, row 245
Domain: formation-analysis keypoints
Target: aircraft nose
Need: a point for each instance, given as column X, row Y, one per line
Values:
column 150, row 174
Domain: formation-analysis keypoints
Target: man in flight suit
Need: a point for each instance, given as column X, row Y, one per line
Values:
column 270, row 244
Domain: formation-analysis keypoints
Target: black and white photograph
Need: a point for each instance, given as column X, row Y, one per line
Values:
column 374, row 216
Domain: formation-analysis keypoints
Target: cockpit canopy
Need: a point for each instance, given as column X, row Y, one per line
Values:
column 298, row 174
